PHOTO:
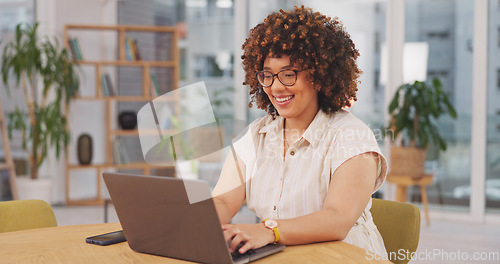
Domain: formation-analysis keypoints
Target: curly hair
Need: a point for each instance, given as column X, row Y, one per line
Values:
column 316, row 43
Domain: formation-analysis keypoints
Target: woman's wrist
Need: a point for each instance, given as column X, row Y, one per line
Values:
column 272, row 225
column 269, row 233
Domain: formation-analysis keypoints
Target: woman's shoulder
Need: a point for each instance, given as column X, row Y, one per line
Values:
column 247, row 140
column 343, row 119
column 263, row 124
column 259, row 125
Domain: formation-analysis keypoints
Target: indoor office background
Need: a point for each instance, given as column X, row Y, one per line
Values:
column 463, row 39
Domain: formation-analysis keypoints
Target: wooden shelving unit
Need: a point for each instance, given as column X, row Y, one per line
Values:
column 110, row 101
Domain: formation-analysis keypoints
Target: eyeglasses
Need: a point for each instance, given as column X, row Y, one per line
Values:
column 286, row 77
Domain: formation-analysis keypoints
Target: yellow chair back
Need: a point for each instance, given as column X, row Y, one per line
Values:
column 25, row 214
column 399, row 225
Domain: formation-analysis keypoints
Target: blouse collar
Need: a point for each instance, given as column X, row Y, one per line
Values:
column 313, row 133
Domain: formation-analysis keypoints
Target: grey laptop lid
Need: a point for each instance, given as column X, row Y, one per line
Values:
column 157, row 218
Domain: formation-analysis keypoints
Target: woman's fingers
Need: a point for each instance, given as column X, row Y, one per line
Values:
column 251, row 235
column 230, row 231
column 247, row 246
column 236, row 241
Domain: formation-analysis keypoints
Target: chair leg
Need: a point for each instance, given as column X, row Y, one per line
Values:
column 440, row 196
column 401, row 193
column 423, row 193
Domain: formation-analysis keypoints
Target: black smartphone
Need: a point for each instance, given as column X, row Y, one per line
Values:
column 107, row 239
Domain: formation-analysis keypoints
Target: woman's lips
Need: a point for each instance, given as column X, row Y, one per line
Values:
column 283, row 100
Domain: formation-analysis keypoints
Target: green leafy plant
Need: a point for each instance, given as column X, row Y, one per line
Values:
column 186, row 151
column 48, row 78
column 415, row 109
column 219, row 100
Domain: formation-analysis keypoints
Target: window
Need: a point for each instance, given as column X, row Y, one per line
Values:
column 492, row 181
column 498, row 79
column 212, row 66
column 498, row 32
column 13, row 12
column 438, row 34
column 377, row 41
column 444, row 26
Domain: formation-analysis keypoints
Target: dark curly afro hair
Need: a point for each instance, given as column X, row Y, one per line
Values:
column 314, row 42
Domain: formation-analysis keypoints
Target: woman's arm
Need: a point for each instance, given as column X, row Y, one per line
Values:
column 350, row 189
column 229, row 193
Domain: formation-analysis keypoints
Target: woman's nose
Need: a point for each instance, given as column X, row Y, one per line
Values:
column 277, row 85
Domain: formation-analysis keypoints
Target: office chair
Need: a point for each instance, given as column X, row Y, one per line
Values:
column 25, row 214
column 399, row 225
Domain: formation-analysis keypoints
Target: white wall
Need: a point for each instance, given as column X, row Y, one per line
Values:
column 53, row 15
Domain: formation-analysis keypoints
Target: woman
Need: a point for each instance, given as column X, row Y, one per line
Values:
column 308, row 167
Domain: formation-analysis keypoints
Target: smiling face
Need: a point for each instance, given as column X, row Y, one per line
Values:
column 299, row 101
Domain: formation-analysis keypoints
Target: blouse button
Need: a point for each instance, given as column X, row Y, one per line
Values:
column 292, row 152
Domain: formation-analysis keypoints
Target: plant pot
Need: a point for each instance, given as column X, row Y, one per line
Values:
column 40, row 189
column 407, row 161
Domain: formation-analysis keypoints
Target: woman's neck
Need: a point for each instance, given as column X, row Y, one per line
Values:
column 295, row 127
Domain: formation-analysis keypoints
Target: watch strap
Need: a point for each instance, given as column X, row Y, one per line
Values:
column 275, row 231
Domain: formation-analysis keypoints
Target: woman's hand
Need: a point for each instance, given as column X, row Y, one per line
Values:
column 252, row 235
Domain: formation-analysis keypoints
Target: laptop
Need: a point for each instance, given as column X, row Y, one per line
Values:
column 158, row 218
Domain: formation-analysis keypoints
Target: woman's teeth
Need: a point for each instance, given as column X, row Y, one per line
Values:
column 283, row 99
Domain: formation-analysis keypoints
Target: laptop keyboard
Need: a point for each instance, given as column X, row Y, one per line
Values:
column 236, row 255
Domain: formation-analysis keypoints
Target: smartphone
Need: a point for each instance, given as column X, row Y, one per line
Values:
column 107, row 239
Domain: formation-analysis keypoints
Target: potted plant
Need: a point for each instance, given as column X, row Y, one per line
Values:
column 47, row 78
column 415, row 110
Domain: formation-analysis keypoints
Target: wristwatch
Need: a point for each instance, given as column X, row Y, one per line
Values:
column 273, row 225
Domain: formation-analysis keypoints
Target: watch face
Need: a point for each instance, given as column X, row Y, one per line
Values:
column 271, row 224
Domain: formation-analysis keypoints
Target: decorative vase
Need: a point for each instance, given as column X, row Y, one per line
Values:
column 127, row 120
column 84, row 149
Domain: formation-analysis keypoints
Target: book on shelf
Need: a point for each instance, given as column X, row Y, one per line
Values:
column 104, row 86
column 136, row 50
column 155, row 88
column 74, row 92
column 112, row 91
column 129, row 49
column 132, row 52
column 76, row 47
column 72, row 48
column 131, row 46
column 120, row 155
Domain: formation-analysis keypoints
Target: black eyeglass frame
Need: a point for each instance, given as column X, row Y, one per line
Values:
column 277, row 75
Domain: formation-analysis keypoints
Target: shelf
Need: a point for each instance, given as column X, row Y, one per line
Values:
column 139, row 63
column 85, row 202
column 135, row 132
column 137, row 165
column 166, row 58
column 122, row 28
column 125, row 98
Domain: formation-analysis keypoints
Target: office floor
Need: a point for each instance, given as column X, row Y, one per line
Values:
column 441, row 242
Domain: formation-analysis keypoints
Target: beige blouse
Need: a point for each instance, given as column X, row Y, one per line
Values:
column 283, row 188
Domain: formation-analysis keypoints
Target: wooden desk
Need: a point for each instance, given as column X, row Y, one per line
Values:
column 67, row 244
